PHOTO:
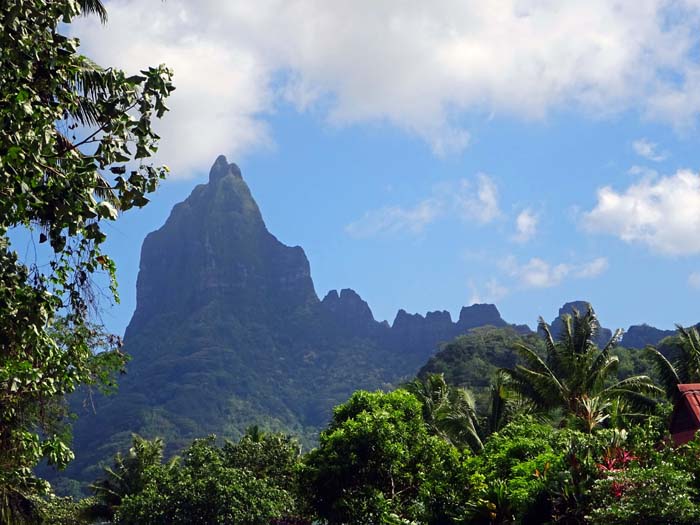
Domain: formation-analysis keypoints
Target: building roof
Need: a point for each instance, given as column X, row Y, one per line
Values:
column 685, row 420
column 689, row 387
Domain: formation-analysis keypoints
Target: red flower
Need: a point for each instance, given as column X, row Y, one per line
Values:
column 608, row 465
column 625, row 456
column 617, row 489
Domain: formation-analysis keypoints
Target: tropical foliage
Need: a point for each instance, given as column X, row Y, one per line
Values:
column 128, row 475
column 449, row 412
column 578, row 379
column 373, row 461
column 685, row 368
column 69, row 128
column 408, row 457
column 377, row 463
column 472, row 359
column 252, row 482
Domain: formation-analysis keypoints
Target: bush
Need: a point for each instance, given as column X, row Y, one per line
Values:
column 660, row 494
column 252, row 482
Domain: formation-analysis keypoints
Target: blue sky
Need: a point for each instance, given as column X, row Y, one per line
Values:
column 428, row 157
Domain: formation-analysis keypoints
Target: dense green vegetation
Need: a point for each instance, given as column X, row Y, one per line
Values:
column 471, row 360
column 426, row 454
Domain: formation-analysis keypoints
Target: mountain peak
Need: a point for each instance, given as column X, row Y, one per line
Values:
column 222, row 169
column 568, row 308
column 479, row 315
column 214, row 251
column 349, row 307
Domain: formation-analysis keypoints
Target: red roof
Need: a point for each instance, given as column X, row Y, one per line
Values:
column 689, row 387
column 685, row 420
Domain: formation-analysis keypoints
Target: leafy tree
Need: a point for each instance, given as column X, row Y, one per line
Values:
column 575, row 376
column 685, row 368
column 376, row 463
column 449, row 412
column 211, row 485
column 267, row 455
column 68, row 129
column 516, row 463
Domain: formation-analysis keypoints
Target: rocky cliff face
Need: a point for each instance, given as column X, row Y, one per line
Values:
column 350, row 313
column 215, row 249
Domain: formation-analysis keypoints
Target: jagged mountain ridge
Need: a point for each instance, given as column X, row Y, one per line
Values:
column 228, row 331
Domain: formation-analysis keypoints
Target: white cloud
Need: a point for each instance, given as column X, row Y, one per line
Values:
column 493, row 292
column 471, row 202
column 538, row 273
column 648, row 150
column 526, row 226
column 643, row 172
column 415, row 65
column 663, row 213
column 592, row 268
column 395, row 219
column 478, row 203
column 694, row 280
column 220, row 90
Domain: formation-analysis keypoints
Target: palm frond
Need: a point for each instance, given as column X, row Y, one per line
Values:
column 94, row 7
column 666, row 372
column 567, row 337
column 549, row 343
column 601, row 368
column 498, row 406
column 637, row 401
column 534, row 386
column 540, row 367
column 614, row 340
column 459, row 423
column 689, row 363
column 640, row 384
column 585, row 328
column 432, row 392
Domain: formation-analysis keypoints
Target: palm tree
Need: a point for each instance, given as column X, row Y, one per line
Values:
column 504, row 404
column 448, row 412
column 128, row 475
column 685, row 368
column 575, row 376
